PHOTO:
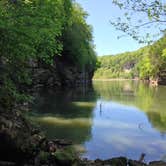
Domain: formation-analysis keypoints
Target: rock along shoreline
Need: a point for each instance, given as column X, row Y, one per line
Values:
column 22, row 143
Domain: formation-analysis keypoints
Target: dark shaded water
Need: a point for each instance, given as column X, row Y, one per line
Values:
column 115, row 118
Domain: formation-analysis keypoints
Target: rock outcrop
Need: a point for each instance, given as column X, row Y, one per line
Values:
column 23, row 144
column 61, row 73
column 162, row 78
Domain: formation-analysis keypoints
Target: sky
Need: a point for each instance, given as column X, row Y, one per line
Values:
column 105, row 36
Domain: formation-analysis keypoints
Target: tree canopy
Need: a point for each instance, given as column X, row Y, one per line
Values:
column 140, row 18
column 40, row 30
column 145, row 63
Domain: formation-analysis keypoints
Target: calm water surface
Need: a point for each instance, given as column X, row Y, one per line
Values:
column 109, row 119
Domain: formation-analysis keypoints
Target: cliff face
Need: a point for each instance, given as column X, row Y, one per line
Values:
column 162, row 78
column 61, row 73
column 20, row 141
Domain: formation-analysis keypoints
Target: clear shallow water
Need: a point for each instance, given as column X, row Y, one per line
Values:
column 109, row 119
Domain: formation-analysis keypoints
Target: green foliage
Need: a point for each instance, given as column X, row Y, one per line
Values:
column 67, row 154
column 154, row 62
column 145, row 63
column 146, row 68
column 29, row 30
column 77, row 40
column 120, row 65
column 40, row 30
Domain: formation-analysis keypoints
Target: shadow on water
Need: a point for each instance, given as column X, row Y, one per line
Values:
column 66, row 113
column 110, row 119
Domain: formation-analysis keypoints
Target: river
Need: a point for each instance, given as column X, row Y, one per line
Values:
column 108, row 119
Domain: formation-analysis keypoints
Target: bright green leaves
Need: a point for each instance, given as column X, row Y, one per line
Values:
column 33, row 30
column 154, row 60
column 39, row 24
column 145, row 63
column 77, row 40
column 146, row 69
column 30, row 30
column 164, row 54
column 119, row 66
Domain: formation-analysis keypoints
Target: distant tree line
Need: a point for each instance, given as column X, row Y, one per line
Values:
column 145, row 63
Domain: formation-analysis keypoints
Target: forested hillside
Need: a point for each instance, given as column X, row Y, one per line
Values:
column 146, row 63
column 42, row 42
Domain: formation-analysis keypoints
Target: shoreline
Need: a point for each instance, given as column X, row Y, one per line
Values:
column 33, row 148
column 114, row 79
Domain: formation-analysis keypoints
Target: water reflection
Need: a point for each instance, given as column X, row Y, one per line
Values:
column 151, row 100
column 66, row 114
column 109, row 119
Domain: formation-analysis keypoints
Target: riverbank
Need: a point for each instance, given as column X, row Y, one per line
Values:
column 22, row 143
column 114, row 79
column 152, row 82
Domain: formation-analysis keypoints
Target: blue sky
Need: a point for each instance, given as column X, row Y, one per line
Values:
column 105, row 36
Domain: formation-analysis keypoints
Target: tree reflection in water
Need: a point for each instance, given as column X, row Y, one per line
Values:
column 109, row 119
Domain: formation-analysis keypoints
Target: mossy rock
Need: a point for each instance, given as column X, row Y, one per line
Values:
column 43, row 156
column 66, row 156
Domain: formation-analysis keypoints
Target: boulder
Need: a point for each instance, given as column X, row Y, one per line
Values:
column 157, row 163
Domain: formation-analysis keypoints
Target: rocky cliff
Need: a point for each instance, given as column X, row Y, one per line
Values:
column 20, row 142
column 61, row 73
